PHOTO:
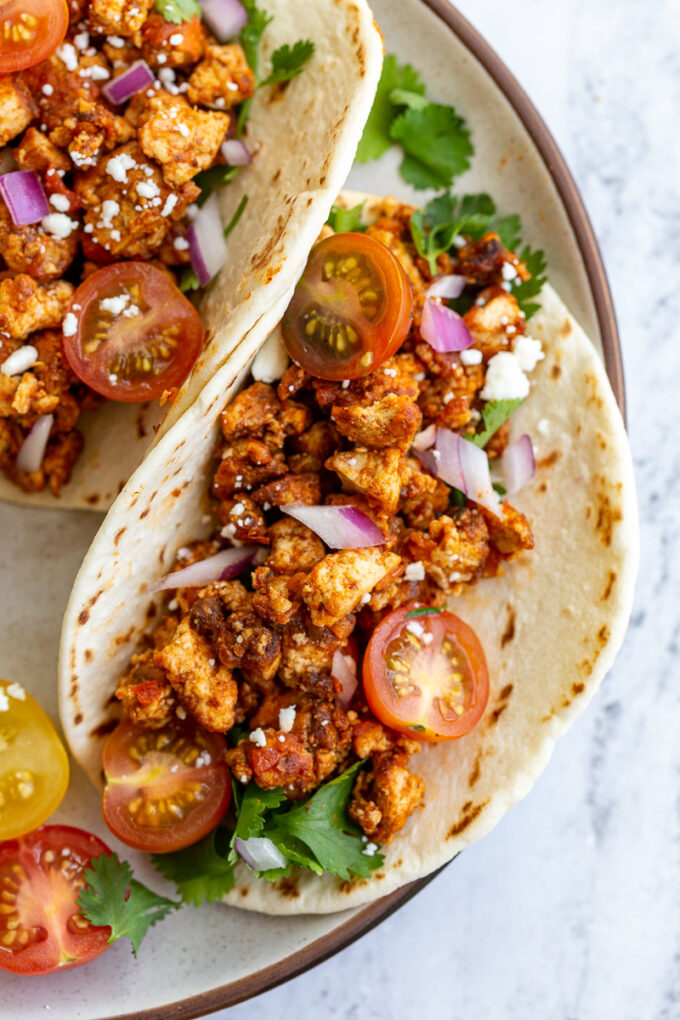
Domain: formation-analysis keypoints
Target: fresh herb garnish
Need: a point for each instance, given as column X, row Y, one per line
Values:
column 113, row 897
column 188, row 281
column 213, row 178
column 344, row 221
column 177, row 11
column 494, row 413
column 376, row 137
column 527, row 289
column 422, row 611
column 201, row 872
column 252, row 33
column 434, row 228
column 252, row 810
column 236, row 217
column 288, row 61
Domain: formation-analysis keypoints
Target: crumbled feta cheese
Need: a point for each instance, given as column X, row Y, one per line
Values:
column 415, row 628
column 70, row 324
column 414, row 571
column 16, row 691
column 447, row 398
column 505, row 380
column 161, row 58
column 148, row 189
column 459, row 241
column 183, row 130
column 180, row 244
column 60, row 202
column 115, row 305
column 370, row 849
column 528, row 352
column 115, row 41
column 176, row 39
column 508, row 272
column 390, row 371
column 173, row 604
column 47, row 89
column 204, row 758
column 286, row 718
column 543, row 427
column 110, row 208
column 68, row 56
column 365, row 599
column 471, row 356
column 257, row 737
column 118, row 166
column 170, row 203
column 19, row 361
column 506, row 285
column 59, row 224
column 427, row 639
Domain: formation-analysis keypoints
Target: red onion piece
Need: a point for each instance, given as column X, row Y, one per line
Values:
column 260, row 853
column 340, row 527
column 466, row 467
column 32, row 450
column 222, row 566
column 138, row 76
column 444, row 329
column 518, row 463
column 446, row 287
column 225, row 18
column 207, row 247
column 425, row 439
column 236, row 152
column 24, row 196
column 344, row 670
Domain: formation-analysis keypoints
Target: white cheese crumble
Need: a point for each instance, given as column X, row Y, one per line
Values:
column 505, row 380
column 180, row 243
column 471, row 356
column 148, row 189
column 528, row 352
column 116, row 41
column 19, row 361
column 286, row 719
column 68, row 56
column 118, row 166
column 59, row 224
column 413, row 627
column 16, row 691
column 60, row 202
column 81, row 40
column 170, row 203
column 415, row 571
column 508, row 272
column 115, row 305
column 176, row 39
column 110, row 208
column 70, row 324
column 370, row 849
column 257, row 737
column 183, row 130
column 47, row 89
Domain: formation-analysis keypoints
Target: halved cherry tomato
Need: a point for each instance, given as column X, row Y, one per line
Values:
column 165, row 788
column 29, row 31
column 351, row 309
column 426, row 675
column 134, row 334
column 33, row 763
column 41, row 876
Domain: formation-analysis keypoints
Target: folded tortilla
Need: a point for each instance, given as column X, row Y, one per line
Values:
column 550, row 626
column 304, row 135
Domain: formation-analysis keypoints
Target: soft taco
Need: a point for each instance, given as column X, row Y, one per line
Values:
column 405, row 563
column 146, row 135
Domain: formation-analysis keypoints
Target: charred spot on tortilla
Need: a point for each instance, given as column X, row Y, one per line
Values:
column 610, row 584
column 565, row 328
column 288, row 887
column 556, row 371
column 550, row 459
column 577, row 688
column 144, row 513
column 509, row 632
column 88, row 655
column 77, row 719
column 244, row 891
column 119, row 534
column 607, row 517
column 476, row 770
column 93, row 499
column 603, row 634
column 83, row 616
column 469, row 813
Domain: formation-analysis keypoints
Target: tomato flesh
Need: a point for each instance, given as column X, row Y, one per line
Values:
column 165, row 788
column 29, row 31
column 351, row 310
column 130, row 334
column 41, row 876
column 426, row 675
column 34, row 766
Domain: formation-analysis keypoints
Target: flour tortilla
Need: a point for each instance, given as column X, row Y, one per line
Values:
column 550, row 626
column 304, row 135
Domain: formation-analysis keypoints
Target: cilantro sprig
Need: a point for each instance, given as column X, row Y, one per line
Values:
column 288, row 61
column 344, row 221
column 201, row 872
column 177, row 11
column 494, row 413
column 115, row 898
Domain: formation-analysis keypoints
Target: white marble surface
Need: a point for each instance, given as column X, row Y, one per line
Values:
column 570, row 909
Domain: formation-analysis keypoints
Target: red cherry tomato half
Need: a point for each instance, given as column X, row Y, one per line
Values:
column 165, row 788
column 41, row 876
column 29, row 31
column 351, row 309
column 130, row 334
column 426, row 675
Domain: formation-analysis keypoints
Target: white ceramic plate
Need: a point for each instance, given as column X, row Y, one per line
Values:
column 201, row 960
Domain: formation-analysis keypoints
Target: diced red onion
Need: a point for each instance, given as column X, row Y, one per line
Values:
column 236, row 152
column 344, row 670
column 207, row 247
column 32, row 450
column 444, row 329
column 260, row 853
column 225, row 18
column 24, row 196
column 425, row 439
column 448, row 287
column 465, row 466
column 222, row 566
column 340, row 527
column 518, row 463
column 138, row 76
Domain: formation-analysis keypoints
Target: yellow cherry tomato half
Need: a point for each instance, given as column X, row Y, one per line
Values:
column 34, row 766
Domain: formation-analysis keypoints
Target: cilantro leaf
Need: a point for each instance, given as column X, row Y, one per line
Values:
column 322, row 825
column 527, row 289
column 251, row 813
column 344, row 221
column 188, row 280
column 494, row 413
column 444, row 217
column 252, row 33
column 200, row 872
column 436, row 143
column 509, row 230
column 113, row 897
column 287, row 61
column 177, row 11
column 422, row 611
column 213, row 178
column 376, row 137
column 236, row 217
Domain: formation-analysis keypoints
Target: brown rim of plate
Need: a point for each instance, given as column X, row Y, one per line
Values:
column 367, row 919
